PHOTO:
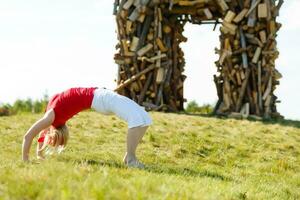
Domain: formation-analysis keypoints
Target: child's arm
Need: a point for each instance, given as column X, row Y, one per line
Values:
column 38, row 153
column 38, row 126
column 40, row 143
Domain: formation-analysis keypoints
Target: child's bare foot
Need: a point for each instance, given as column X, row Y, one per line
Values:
column 40, row 157
column 132, row 162
column 135, row 164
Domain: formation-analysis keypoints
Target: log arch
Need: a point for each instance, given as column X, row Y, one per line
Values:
column 151, row 62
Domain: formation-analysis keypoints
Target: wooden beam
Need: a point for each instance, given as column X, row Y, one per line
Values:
column 135, row 77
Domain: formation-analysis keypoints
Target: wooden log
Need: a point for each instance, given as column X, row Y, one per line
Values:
column 128, row 27
column 223, row 5
column 123, row 14
column 208, row 13
column 276, row 10
column 160, row 93
column 235, row 115
column 172, row 104
column 254, row 40
column 255, row 117
column 151, row 106
column 254, row 4
column 267, row 106
column 256, row 55
column 159, row 31
column 230, row 27
column 191, row 3
column 134, row 87
column 255, row 99
column 223, row 56
column 160, row 16
column 182, row 10
column 226, row 94
column 252, row 13
column 240, row 16
column 160, row 75
column 243, row 76
column 229, row 16
column 277, row 75
column 153, row 59
column 267, row 102
column 132, row 95
column 116, row 4
column 247, row 3
column 167, row 29
column 145, row 30
column 238, row 78
column 260, row 102
column 272, row 28
column 249, row 98
column 245, row 111
column 120, row 25
column 263, row 36
column 159, row 99
column 135, row 77
column 158, row 61
column 226, row 102
column 234, row 97
column 269, row 88
column 268, row 2
column 145, row 88
column 134, row 15
column 125, row 47
column 136, row 3
column 244, row 46
column 218, row 88
column 262, row 11
column 161, row 45
column 242, row 91
column 145, row 49
column 150, row 36
column 134, row 43
column 128, row 4
column 141, row 18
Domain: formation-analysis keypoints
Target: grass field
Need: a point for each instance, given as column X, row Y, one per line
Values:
column 187, row 157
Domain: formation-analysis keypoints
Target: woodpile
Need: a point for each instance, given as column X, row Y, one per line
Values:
column 151, row 62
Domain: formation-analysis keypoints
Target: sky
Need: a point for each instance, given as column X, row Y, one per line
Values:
column 47, row 46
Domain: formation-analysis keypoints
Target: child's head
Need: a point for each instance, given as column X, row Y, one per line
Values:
column 56, row 137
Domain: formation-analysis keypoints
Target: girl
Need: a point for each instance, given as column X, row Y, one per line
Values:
column 61, row 107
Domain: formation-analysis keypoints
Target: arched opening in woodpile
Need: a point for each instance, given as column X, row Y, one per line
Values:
column 200, row 68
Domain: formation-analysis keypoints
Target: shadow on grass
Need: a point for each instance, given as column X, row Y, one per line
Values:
column 186, row 172
column 282, row 122
column 161, row 169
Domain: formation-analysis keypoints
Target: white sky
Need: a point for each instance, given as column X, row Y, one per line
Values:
column 51, row 45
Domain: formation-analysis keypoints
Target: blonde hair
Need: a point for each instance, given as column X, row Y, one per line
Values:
column 59, row 137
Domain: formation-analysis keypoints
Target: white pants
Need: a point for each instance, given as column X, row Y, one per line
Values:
column 108, row 102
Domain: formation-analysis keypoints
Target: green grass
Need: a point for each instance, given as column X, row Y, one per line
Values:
column 187, row 157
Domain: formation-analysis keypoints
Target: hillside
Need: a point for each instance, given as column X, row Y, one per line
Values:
column 187, row 157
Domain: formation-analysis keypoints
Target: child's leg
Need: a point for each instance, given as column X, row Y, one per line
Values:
column 134, row 136
column 106, row 101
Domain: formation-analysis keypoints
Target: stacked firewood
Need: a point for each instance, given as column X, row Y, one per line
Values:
column 151, row 62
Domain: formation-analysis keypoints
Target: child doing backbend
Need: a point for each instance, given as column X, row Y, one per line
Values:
column 61, row 107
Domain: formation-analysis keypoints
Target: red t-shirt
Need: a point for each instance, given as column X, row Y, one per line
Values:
column 69, row 103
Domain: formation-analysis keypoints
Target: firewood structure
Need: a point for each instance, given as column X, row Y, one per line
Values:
column 151, row 62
